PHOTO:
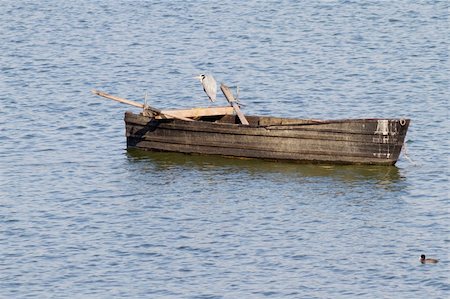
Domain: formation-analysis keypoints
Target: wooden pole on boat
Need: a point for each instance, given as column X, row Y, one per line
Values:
column 230, row 98
column 136, row 104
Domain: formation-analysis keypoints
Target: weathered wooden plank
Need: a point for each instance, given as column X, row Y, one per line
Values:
column 196, row 112
column 262, row 154
column 385, row 151
column 230, row 98
column 360, row 126
column 307, row 132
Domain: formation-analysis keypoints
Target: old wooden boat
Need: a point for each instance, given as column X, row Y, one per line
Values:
column 348, row 141
column 225, row 131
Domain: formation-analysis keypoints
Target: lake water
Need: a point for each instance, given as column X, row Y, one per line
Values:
column 82, row 217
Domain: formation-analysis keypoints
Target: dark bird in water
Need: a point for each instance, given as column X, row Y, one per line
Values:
column 209, row 86
column 424, row 260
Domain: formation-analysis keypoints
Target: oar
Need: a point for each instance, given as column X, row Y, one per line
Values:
column 136, row 104
column 230, row 98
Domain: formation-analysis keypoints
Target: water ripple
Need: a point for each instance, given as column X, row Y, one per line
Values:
column 81, row 216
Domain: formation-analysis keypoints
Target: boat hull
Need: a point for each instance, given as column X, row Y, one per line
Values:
column 352, row 141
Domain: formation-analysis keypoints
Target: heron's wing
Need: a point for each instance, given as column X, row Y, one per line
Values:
column 210, row 87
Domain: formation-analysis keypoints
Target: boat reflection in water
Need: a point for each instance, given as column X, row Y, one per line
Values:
column 168, row 161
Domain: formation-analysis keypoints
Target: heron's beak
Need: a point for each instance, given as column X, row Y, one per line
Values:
column 198, row 77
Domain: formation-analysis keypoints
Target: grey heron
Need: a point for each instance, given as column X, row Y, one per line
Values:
column 209, row 86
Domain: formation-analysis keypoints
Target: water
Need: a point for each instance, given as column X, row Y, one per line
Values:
column 80, row 217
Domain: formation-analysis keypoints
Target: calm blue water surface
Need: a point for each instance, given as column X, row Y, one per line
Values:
column 82, row 217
